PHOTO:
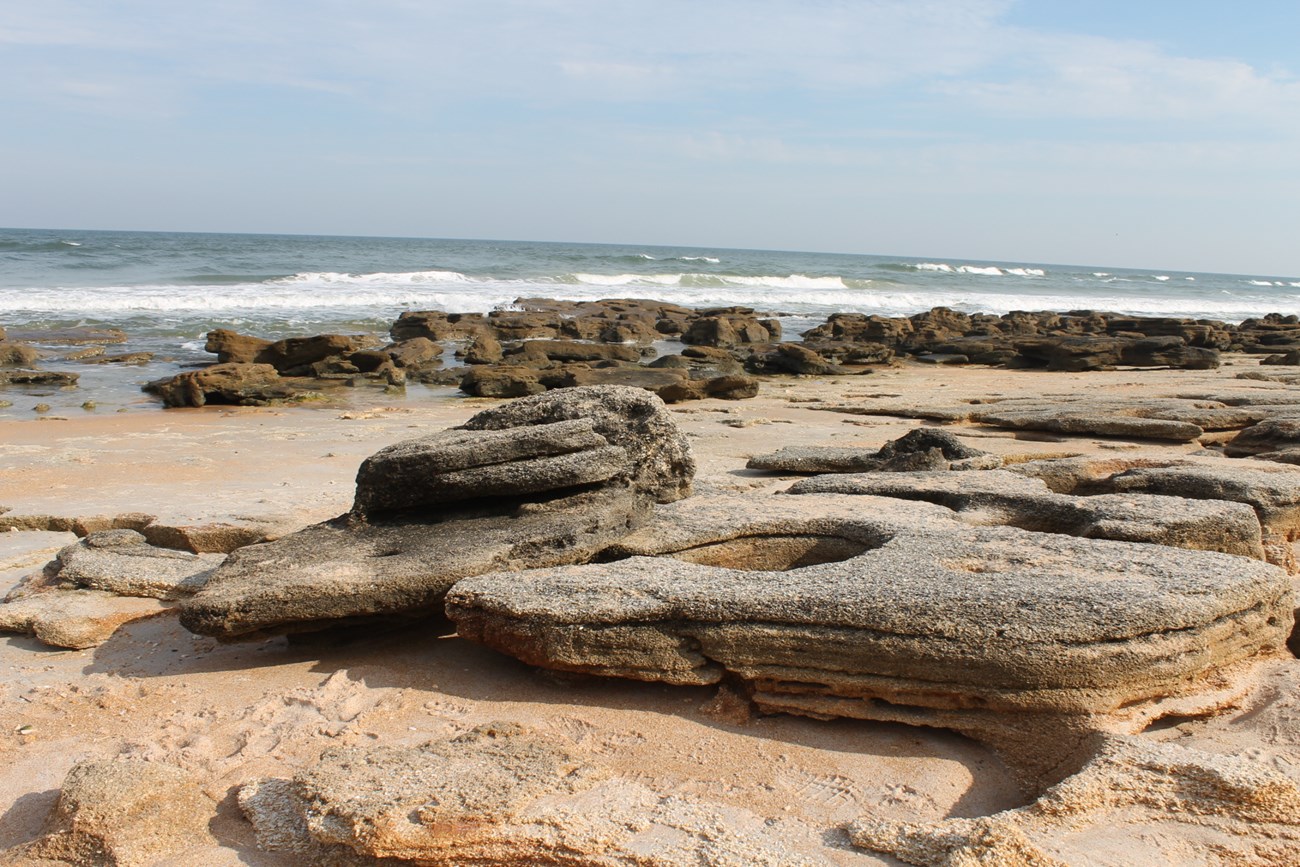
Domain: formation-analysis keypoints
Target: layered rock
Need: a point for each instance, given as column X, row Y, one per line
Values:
column 234, row 383
column 542, row 481
column 96, row 585
column 497, row 794
column 889, row 613
column 920, row 449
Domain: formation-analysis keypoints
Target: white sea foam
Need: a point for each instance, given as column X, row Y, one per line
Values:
column 710, row 259
column 982, row 270
column 1161, row 277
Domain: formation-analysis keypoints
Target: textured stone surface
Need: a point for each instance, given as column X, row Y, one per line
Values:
column 242, row 384
column 627, row 417
column 122, row 813
column 123, row 563
column 498, row 795
column 922, row 448
column 915, row 609
column 74, row 618
column 1000, row 497
column 455, row 465
column 345, row 572
column 1134, row 802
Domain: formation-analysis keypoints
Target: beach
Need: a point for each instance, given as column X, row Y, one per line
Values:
column 229, row 714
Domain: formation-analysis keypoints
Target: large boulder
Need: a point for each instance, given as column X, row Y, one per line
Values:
column 545, row 480
column 904, row 614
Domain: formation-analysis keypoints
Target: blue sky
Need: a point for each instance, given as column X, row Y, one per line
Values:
column 1145, row 134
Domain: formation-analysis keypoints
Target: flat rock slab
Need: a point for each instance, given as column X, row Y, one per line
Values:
column 930, row 613
column 75, row 619
column 344, row 572
column 497, row 795
column 1001, row 497
column 920, row 449
column 1172, row 419
column 123, row 563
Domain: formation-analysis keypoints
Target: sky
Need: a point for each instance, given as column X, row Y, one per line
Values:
column 1159, row 133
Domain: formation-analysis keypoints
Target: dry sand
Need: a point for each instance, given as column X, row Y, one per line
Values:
column 232, row 713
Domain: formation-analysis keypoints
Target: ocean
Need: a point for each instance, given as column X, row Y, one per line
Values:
column 166, row 290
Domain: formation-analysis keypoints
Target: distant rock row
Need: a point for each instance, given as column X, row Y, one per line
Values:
column 542, row 344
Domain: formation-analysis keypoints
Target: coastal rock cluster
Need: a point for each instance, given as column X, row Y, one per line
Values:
column 543, row 344
column 1053, row 609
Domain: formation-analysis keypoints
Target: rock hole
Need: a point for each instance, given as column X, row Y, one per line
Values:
column 773, row 553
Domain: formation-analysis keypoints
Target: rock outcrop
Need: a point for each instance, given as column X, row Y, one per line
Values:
column 898, row 614
column 545, row 480
column 920, row 449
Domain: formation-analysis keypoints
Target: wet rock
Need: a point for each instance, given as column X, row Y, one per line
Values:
column 437, row 326
column 72, row 336
column 484, row 349
column 790, row 358
column 14, row 354
column 543, row 352
column 416, row 352
column 498, row 794
column 731, row 326
column 239, row 384
column 21, row 376
column 294, row 356
column 231, row 347
column 127, row 358
column 126, row 813
column 1169, row 351
column 884, row 612
column 501, row 380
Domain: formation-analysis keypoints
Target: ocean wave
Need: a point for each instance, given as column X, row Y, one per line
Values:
column 981, row 270
column 38, row 246
column 330, row 278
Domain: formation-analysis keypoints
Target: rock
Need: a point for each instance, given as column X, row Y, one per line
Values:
column 498, row 794
column 1153, row 802
column 790, row 358
column 501, row 380
column 1288, row 358
column 123, row 563
column 437, row 326
column 233, row 348
column 415, row 352
column 240, row 384
column 1168, row 351
column 205, row 538
column 294, row 356
column 127, row 813
column 484, row 349
column 77, row 335
column 456, row 465
column 731, row 326
column 1270, row 435
column 545, row 480
column 14, row 354
column 75, row 619
column 922, row 448
column 128, row 358
column 546, row 351
column 21, row 376
column 900, row 614
column 651, row 379
column 1274, row 493
column 626, row 417
column 1000, row 497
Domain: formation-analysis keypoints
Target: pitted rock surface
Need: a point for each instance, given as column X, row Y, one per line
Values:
column 498, row 794
column 930, row 613
column 1001, row 497
column 924, row 448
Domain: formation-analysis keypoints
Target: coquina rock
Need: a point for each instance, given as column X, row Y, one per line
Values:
column 497, row 794
column 888, row 613
column 546, row 480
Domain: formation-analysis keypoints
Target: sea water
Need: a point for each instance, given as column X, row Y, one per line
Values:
column 166, row 290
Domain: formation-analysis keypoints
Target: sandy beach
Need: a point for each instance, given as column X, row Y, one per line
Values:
column 231, row 713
